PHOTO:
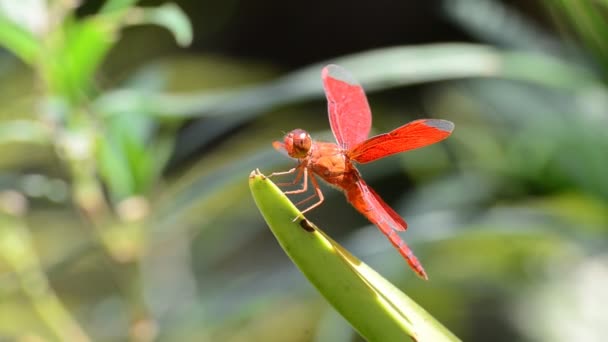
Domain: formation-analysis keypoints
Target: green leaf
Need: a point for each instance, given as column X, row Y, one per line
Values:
column 82, row 45
column 586, row 18
column 80, row 48
column 129, row 158
column 114, row 167
column 371, row 304
column 18, row 40
column 498, row 24
column 379, row 69
column 169, row 16
column 117, row 5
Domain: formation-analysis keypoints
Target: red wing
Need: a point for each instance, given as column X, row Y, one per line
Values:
column 368, row 203
column 349, row 114
column 415, row 134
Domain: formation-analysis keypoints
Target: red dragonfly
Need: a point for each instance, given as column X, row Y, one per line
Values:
column 350, row 118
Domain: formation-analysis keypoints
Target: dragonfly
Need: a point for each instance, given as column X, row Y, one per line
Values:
column 350, row 119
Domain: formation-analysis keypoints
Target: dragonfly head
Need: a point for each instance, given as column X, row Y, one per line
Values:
column 297, row 143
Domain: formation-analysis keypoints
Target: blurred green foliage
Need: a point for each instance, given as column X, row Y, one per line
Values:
column 125, row 213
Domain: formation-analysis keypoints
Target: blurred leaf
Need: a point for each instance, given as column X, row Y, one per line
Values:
column 548, row 71
column 171, row 17
column 23, row 131
column 206, row 186
column 130, row 155
column 81, row 45
column 17, row 249
column 18, row 40
column 375, row 308
column 376, row 70
column 116, row 5
column 496, row 23
column 79, row 50
column 588, row 21
column 584, row 215
column 114, row 167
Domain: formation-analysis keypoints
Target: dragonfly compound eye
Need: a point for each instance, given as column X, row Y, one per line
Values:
column 297, row 143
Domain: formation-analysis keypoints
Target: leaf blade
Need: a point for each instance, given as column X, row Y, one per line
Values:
column 372, row 305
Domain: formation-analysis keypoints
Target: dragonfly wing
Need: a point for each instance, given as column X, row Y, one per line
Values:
column 279, row 146
column 368, row 203
column 415, row 134
column 349, row 114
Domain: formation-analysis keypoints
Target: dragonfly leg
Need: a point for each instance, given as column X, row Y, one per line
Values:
column 296, row 180
column 282, row 173
column 306, row 199
column 318, row 193
column 303, row 172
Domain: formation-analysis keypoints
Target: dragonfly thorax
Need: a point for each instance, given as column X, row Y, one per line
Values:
column 297, row 143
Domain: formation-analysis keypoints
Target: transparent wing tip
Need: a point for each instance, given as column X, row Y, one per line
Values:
column 339, row 73
column 443, row 125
